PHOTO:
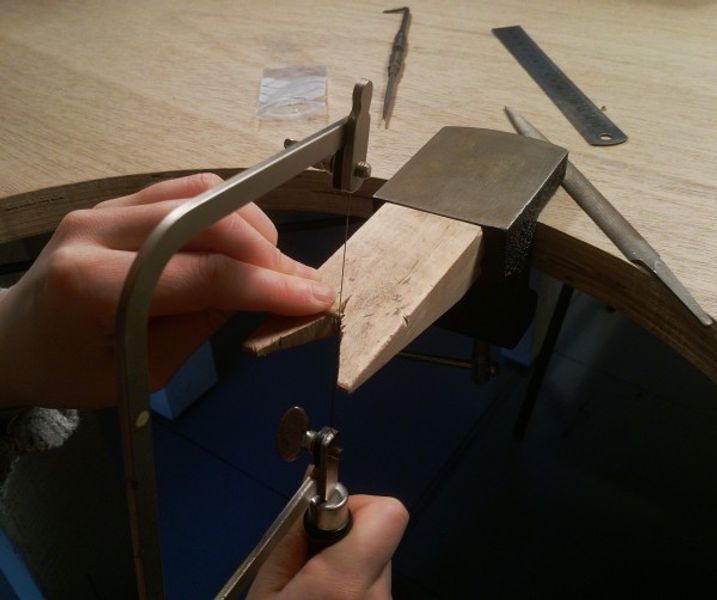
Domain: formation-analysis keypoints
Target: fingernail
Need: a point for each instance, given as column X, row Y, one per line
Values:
column 323, row 293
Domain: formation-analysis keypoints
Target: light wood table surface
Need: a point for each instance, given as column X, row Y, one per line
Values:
column 98, row 92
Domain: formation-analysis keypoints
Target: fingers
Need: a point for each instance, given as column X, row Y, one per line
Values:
column 381, row 589
column 191, row 282
column 257, row 218
column 356, row 567
column 196, row 281
column 126, row 229
column 170, row 189
column 283, row 564
column 358, row 563
column 184, row 188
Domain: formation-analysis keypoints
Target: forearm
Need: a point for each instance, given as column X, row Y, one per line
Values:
column 24, row 429
column 4, row 349
column 29, row 430
column 11, row 363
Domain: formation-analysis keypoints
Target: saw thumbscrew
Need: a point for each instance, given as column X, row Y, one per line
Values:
column 328, row 518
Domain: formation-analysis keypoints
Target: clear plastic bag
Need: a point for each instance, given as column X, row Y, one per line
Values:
column 292, row 93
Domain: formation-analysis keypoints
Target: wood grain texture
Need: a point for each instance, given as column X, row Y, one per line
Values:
column 33, row 213
column 404, row 268
column 99, row 90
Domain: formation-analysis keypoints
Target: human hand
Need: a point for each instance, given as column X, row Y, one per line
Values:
column 357, row 567
column 57, row 323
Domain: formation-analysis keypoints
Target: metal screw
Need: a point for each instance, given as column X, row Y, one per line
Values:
column 362, row 170
column 142, row 419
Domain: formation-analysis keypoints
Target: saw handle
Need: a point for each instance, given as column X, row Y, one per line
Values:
column 318, row 539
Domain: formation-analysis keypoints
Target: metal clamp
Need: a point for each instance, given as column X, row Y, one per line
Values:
column 347, row 141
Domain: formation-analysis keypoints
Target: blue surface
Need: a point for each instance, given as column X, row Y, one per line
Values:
column 15, row 578
column 211, row 515
column 6, row 590
column 196, row 376
column 237, row 420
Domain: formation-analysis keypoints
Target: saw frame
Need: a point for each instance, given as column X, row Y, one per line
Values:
column 343, row 145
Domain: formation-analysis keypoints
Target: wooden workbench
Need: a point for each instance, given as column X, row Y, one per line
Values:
column 102, row 91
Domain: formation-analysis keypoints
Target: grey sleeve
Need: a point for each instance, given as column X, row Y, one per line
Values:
column 25, row 431
column 29, row 430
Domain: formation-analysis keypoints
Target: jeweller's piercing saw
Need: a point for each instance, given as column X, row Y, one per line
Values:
column 342, row 145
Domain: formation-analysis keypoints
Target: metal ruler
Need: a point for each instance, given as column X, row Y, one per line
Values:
column 587, row 118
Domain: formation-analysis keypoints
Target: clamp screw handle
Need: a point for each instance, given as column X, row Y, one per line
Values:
column 294, row 435
column 328, row 518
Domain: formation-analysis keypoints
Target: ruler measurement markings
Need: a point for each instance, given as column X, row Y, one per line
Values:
column 588, row 119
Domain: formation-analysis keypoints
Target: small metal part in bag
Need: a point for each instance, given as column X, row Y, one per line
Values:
column 588, row 119
column 632, row 245
column 395, row 61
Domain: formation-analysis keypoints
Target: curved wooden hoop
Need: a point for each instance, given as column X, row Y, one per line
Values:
column 604, row 276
